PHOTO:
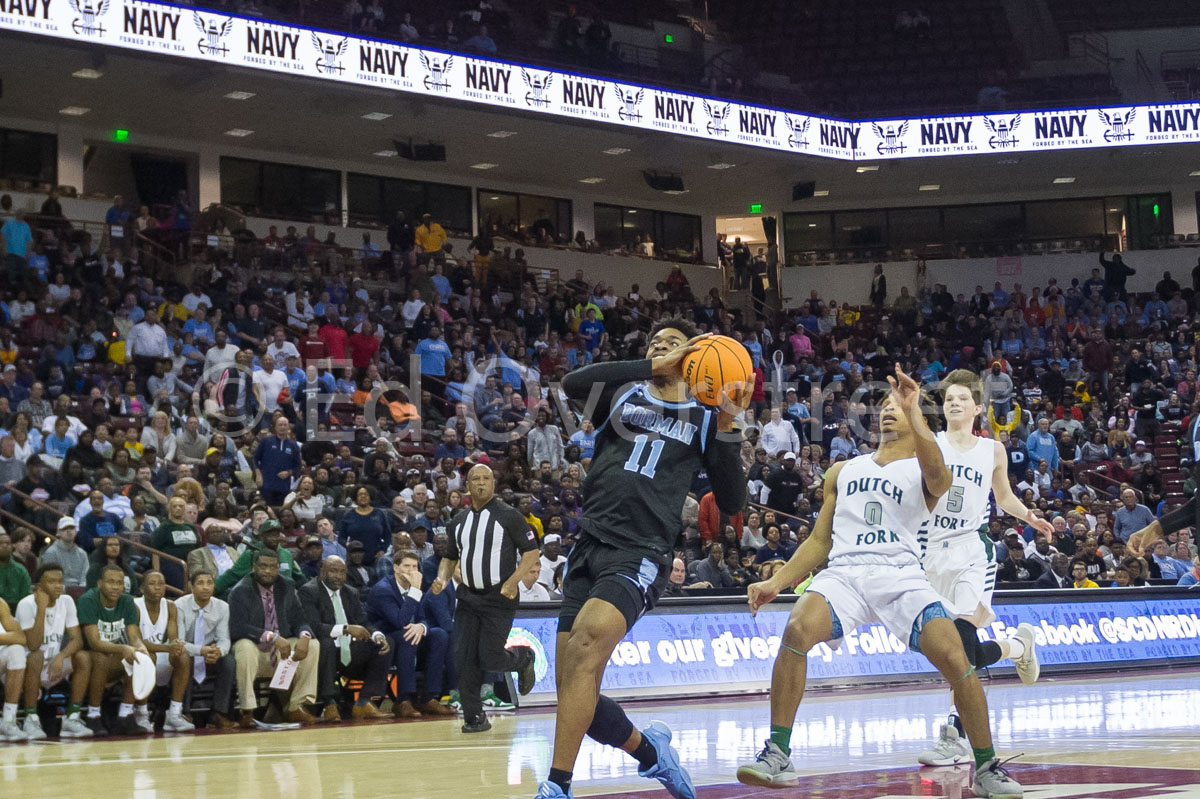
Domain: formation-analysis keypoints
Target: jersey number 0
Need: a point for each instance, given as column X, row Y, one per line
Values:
column 635, row 457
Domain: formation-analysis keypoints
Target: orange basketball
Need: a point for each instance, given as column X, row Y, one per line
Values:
column 719, row 368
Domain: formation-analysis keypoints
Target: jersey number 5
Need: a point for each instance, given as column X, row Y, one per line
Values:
column 954, row 499
column 635, row 457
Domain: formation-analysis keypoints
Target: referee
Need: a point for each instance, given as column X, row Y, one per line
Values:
column 486, row 539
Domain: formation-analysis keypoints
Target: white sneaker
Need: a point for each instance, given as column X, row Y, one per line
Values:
column 993, row 782
column 177, row 723
column 143, row 722
column 950, row 749
column 73, row 728
column 33, row 727
column 771, row 769
column 1028, row 668
column 11, row 731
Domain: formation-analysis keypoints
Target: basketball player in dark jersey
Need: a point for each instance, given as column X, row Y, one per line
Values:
column 652, row 438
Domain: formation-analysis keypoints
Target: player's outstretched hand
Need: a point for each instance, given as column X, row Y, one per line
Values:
column 907, row 392
column 672, row 362
column 1044, row 527
column 759, row 594
column 1141, row 541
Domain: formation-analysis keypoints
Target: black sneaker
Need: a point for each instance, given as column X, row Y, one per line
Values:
column 527, row 675
column 96, row 725
column 478, row 724
column 127, row 726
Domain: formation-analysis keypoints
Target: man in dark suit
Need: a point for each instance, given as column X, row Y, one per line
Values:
column 439, row 615
column 358, row 574
column 394, row 607
column 350, row 646
column 1058, row 575
column 267, row 625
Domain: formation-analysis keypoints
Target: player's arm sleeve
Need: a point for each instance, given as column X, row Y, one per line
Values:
column 723, row 461
column 578, row 384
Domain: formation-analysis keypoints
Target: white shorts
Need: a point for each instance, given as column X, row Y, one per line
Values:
column 964, row 574
column 162, row 665
column 47, row 656
column 898, row 597
column 12, row 658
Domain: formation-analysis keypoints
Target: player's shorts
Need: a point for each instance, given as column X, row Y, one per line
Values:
column 963, row 572
column 628, row 580
column 898, row 597
column 162, row 666
column 47, row 656
column 12, row 658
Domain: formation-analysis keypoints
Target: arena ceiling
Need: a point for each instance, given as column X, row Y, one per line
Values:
column 163, row 98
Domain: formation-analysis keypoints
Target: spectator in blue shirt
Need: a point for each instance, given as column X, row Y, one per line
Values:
column 1042, row 446
column 433, row 352
column 1131, row 516
column 18, row 242
column 1000, row 297
column 585, row 439
column 592, row 331
column 98, row 523
column 117, row 214
column 276, row 463
column 198, row 326
column 450, row 448
column 441, row 283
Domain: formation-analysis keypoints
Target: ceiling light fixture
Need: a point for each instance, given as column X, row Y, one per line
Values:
column 821, row 193
column 376, row 116
column 239, row 95
column 239, row 133
column 386, row 153
column 721, row 166
column 615, row 151
column 73, row 111
column 484, row 165
column 591, row 180
column 1195, row 174
column 87, row 73
column 502, row 134
column 684, row 191
column 869, row 168
column 493, row 198
column 929, row 187
column 1064, row 180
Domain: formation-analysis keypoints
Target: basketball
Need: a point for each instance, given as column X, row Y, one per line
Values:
column 719, row 367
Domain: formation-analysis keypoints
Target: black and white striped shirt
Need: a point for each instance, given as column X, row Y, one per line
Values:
column 486, row 541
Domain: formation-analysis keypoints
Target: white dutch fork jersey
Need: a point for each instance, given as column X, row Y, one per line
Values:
column 964, row 510
column 879, row 514
column 153, row 632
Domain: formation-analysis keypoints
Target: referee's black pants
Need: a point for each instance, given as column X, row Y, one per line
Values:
column 482, row 621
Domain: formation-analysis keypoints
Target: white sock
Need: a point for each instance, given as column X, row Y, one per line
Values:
column 124, row 710
column 93, row 711
column 1016, row 648
column 142, row 711
column 176, row 707
column 10, row 712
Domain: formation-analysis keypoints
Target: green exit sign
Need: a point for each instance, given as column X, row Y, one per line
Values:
column 120, row 135
column 756, row 208
column 668, row 38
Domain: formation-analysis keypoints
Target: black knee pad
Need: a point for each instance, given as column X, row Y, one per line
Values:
column 610, row 725
column 987, row 654
column 970, row 639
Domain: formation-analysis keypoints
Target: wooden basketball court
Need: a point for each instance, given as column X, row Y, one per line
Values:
column 1111, row 736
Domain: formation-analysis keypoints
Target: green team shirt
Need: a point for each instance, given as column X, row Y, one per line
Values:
column 111, row 622
column 176, row 540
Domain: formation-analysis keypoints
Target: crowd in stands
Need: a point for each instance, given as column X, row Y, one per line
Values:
column 230, row 437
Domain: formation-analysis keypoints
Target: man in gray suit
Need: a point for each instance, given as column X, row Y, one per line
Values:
column 203, row 622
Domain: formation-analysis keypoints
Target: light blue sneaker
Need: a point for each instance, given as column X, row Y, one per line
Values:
column 548, row 790
column 667, row 770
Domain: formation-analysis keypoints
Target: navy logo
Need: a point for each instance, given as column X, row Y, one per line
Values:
column 717, row 117
column 1118, row 125
column 538, row 86
column 890, row 138
column 1002, row 132
column 214, row 34
column 630, row 101
column 439, row 72
column 798, row 129
column 88, row 22
column 331, row 50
